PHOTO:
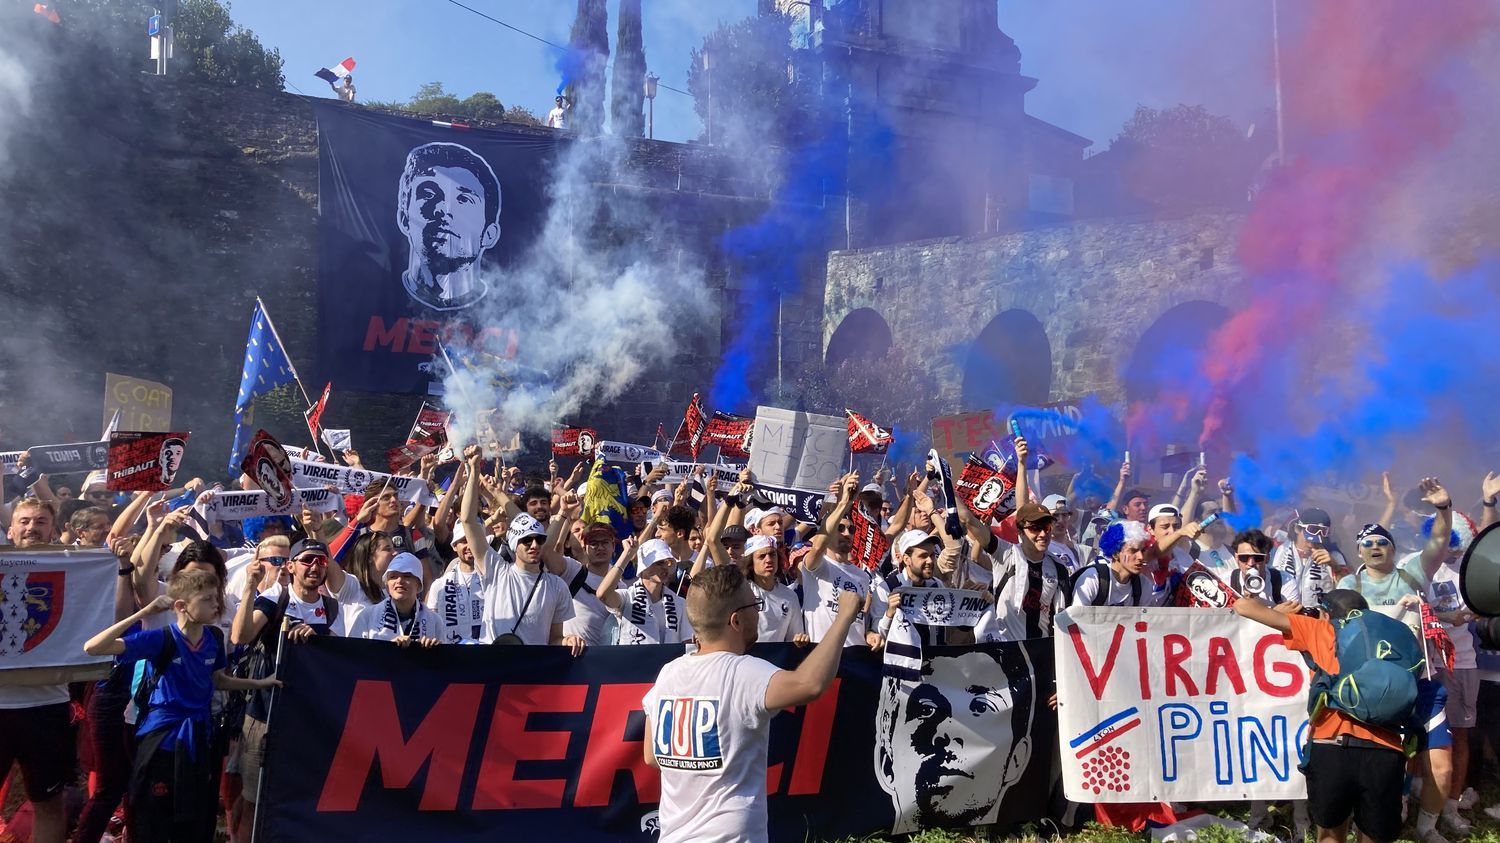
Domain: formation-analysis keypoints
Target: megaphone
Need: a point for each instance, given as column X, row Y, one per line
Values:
column 1479, row 583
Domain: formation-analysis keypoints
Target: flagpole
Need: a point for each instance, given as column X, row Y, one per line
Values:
column 296, row 377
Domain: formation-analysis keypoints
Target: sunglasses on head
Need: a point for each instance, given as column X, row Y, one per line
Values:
column 1377, row 541
column 1250, row 557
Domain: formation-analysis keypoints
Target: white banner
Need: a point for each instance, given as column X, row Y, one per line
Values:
column 723, row 476
column 794, row 450
column 624, row 452
column 237, row 506
column 942, row 606
column 10, row 462
column 1177, row 705
column 352, row 481
column 51, row 602
column 337, row 439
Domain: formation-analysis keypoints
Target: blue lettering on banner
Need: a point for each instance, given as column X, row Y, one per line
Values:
column 1257, row 743
column 686, row 736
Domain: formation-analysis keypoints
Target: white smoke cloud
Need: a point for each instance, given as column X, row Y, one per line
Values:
column 594, row 304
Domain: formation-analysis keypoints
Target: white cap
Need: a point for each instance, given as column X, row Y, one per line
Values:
column 521, row 526
column 661, row 495
column 1055, row 503
column 1161, row 510
column 755, row 516
column 405, row 563
column 911, row 538
column 758, row 542
column 655, row 551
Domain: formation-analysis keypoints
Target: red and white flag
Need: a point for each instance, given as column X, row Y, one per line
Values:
column 430, row 428
column 574, row 441
column 866, row 437
column 689, row 438
column 314, row 415
column 984, row 490
column 332, row 75
column 731, row 433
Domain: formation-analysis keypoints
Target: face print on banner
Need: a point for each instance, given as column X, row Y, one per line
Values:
column 268, row 465
column 948, row 749
column 448, row 206
column 170, row 459
column 144, row 462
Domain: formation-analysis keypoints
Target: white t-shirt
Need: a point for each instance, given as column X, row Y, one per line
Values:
column 557, row 118
column 1086, row 587
column 590, row 619
column 820, row 597
column 351, row 598
column 458, row 599
column 1302, row 579
column 644, row 621
column 1444, row 596
column 1024, row 612
column 713, row 765
column 1220, row 560
column 780, row 614
column 381, row 622
column 506, row 594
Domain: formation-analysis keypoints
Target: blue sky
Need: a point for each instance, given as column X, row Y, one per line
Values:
column 1095, row 59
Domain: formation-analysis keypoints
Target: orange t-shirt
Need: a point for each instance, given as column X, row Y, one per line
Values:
column 1316, row 638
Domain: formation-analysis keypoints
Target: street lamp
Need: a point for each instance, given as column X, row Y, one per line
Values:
column 651, row 80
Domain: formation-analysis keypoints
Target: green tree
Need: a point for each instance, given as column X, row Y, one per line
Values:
column 744, row 81
column 482, row 105
column 432, row 99
column 521, row 114
column 219, row 50
column 1184, row 157
column 583, row 66
column 627, row 91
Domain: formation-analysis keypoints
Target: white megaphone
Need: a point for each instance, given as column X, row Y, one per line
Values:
column 1479, row 576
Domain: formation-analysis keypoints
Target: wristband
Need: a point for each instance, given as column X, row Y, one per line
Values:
column 1449, row 506
column 126, row 571
column 1490, row 502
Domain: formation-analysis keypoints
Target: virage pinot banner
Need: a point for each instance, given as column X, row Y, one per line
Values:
column 414, row 220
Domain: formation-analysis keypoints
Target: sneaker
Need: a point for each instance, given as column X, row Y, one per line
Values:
column 1455, row 823
column 1432, row 836
column 1468, row 799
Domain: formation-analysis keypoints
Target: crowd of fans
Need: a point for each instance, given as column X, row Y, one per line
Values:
column 508, row 559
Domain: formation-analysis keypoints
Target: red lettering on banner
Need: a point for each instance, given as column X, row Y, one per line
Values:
column 1177, row 649
column 1097, row 681
column 1221, row 659
column 610, row 752
column 1140, row 654
column 943, row 427
column 510, row 742
column 372, row 732
column 1295, row 674
column 424, row 334
column 974, row 428
column 392, row 336
column 812, row 743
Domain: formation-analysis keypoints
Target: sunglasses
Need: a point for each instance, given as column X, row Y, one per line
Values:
column 845, row 530
column 99, row 496
column 1375, row 542
column 1250, row 557
column 313, row 561
column 278, row 561
column 760, row 606
column 524, row 540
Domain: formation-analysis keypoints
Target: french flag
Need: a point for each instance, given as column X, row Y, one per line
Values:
column 333, row 74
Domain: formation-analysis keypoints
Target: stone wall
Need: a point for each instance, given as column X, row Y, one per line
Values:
column 1094, row 286
column 146, row 214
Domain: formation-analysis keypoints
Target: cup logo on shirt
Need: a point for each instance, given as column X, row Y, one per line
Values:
column 687, row 733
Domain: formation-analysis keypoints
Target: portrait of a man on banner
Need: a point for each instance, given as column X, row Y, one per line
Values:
column 948, row 749
column 448, row 206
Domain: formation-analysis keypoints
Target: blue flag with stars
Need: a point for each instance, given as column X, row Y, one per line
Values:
column 266, row 368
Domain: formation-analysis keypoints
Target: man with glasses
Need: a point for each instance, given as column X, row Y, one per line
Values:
column 1307, row 561
column 590, row 621
column 708, row 717
column 1031, row 584
column 524, row 599
column 827, row 573
column 1251, row 576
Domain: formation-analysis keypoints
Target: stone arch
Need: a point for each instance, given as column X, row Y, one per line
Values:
column 1171, row 351
column 1009, row 363
column 863, row 334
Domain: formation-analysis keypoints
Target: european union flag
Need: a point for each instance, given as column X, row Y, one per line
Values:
column 266, row 368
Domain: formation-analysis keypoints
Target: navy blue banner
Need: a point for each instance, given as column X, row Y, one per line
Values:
column 413, row 221
column 458, row 743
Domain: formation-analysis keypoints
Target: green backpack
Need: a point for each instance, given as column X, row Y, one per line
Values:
column 1377, row 680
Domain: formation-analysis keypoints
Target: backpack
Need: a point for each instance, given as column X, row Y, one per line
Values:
column 159, row 664
column 1377, row 679
column 1101, row 594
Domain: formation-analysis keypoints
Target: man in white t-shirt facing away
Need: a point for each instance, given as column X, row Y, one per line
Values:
column 826, row 572
column 708, row 717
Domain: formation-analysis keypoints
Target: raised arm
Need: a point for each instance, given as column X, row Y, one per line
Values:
column 606, row 589
column 130, row 514
column 848, row 485
column 1114, row 500
column 1023, row 451
column 111, row 642
column 916, row 484
column 1197, row 480
column 1489, row 488
column 1436, row 549
column 1387, row 515
column 248, row 621
column 1226, row 495
column 1275, row 618
column 468, row 512
column 559, row 527
column 791, row 688
column 440, row 525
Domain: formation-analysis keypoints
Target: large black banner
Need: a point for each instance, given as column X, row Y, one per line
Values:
column 414, row 219
column 458, row 743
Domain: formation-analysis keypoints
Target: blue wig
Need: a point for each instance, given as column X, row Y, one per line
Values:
column 1120, row 534
column 256, row 525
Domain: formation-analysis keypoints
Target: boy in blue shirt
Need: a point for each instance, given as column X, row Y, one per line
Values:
column 174, row 786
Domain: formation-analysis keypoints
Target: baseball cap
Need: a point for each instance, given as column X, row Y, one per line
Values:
column 911, row 538
column 1032, row 512
column 405, row 563
column 1162, row 510
column 734, row 534
column 1132, row 495
column 522, row 526
column 1053, row 503
column 309, row 546
column 661, row 495
column 655, row 551
column 1313, row 515
column 755, row 543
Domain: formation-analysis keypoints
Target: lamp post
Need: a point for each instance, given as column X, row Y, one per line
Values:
column 651, row 80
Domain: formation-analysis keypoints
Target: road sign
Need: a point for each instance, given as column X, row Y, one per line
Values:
column 153, row 26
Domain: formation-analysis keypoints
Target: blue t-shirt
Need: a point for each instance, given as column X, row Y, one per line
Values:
column 185, row 692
